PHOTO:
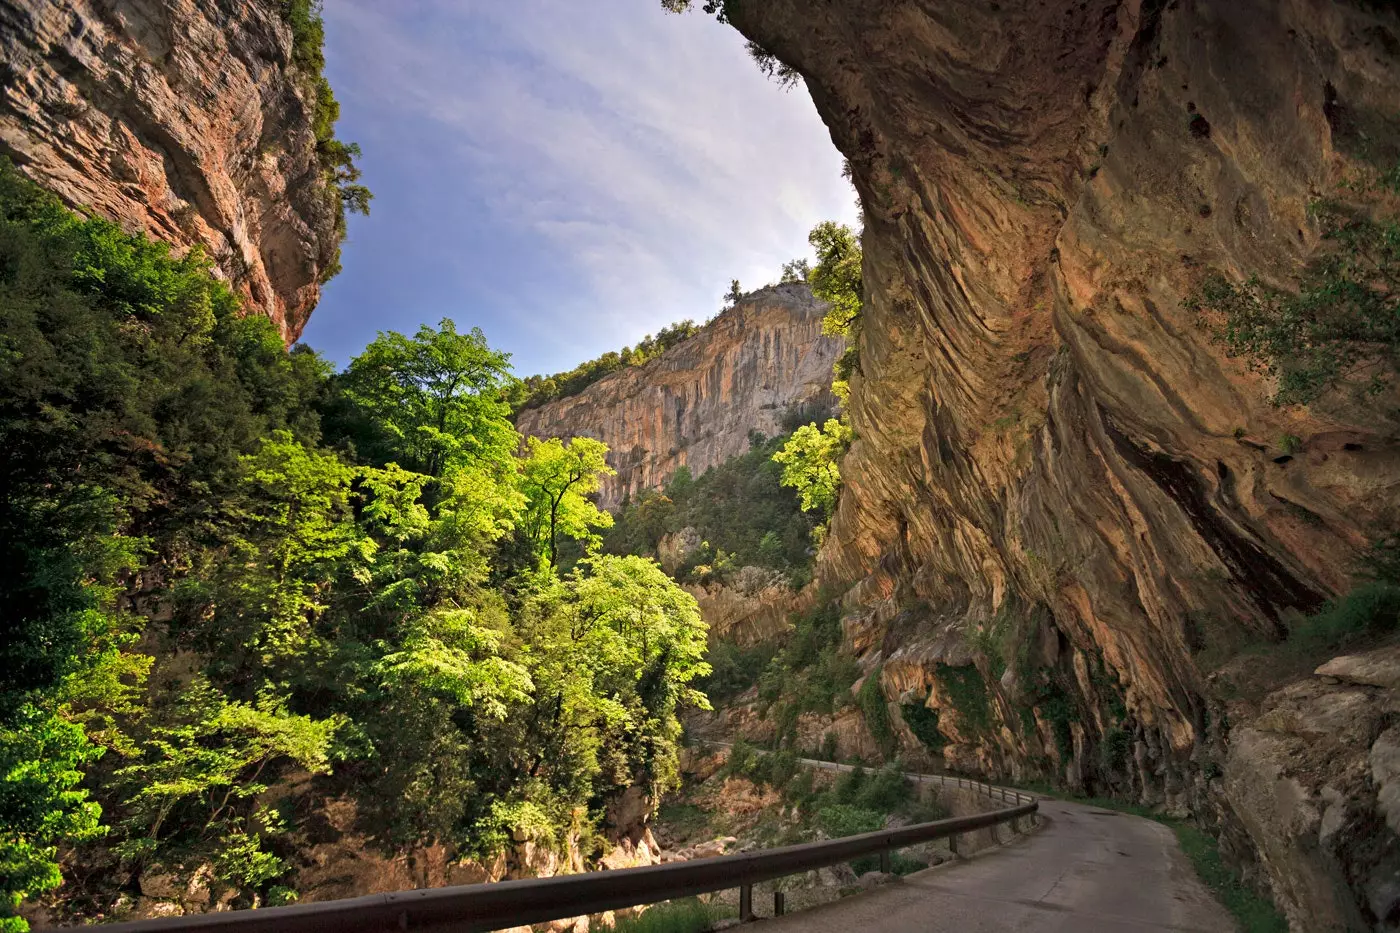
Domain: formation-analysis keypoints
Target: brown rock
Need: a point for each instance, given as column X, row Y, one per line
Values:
column 185, row 120
column 696, row 404
column 1049, row 441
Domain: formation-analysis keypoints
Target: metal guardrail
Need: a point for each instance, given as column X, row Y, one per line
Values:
column 477, row 908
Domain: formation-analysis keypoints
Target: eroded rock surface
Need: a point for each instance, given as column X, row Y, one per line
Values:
column 697, row 404
column 1059, row 480
column 185, row 120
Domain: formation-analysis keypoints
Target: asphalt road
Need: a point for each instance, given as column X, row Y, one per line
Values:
column 1086, row 869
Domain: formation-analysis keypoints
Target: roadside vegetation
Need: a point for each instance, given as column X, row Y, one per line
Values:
column 228, row 566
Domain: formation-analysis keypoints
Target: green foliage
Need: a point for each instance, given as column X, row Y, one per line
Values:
column 429, row 402
column 837, row 279
column 337, row 157
column 198, row 587
column 871, row 700
column 534, row 391
column 810, row 461
column 734, row 669
column 923, row 722
column 41, row 805
column 841, row 819
column 1370, row 610
column 684, row 916
column 1253, row 913
column 1342, row 324
column 809, row 674
column 967, row 694
column 738, row 508
column 559, row 479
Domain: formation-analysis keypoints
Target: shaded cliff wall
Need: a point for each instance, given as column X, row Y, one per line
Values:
column 1059, row 479
column 184, row 119
column 696, row 403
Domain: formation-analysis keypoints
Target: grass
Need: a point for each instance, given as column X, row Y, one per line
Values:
column 1253, row 913
column 688, row 915
column 685, row 818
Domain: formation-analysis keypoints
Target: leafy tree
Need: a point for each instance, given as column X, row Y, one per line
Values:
column 798, row 270
column 428, row 401
column 734, row 295
column 202, row 767
column 810, row 461
column 837, row 279
column 41, row 804
column 558, row 477
column 337, row 158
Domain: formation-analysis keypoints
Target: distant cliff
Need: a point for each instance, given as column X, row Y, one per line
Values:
column 186, row 120
column 696, row 404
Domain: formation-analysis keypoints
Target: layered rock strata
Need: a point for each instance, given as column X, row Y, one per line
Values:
column 182, row 119
column 1061, row 488
column 697, row 404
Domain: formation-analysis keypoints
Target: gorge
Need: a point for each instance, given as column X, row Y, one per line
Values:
column 1118, row 516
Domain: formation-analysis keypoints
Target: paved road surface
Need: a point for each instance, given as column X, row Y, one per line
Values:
column 1085, row 870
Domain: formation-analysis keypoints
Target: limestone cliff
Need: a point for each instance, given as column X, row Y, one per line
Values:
column 1058, row 476
column 183, row 119
column 696, row 404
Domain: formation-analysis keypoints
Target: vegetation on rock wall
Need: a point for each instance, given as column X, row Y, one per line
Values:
column 740, row 511
column 337, row 156
column 226, row 566
column 1341, row 325
column 810, row 674
column 534, row 391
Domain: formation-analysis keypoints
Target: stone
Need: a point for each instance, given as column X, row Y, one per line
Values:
column 1375, row 669
column 186, row 120
column 696, row 404
column 1047, row 434
column 1385, row 771
column 158, row 881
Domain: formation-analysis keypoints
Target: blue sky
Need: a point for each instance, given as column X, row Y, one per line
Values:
column 568, row 176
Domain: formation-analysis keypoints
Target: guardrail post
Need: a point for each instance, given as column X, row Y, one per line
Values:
column 745, row 903
column 779, row 903
column 953, row 844
column 885, row 861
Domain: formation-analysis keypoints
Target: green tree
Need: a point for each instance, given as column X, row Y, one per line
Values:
column 837, row 280
column 41, row 804
column 810, row 462
column 557, row 480
column 428, row 401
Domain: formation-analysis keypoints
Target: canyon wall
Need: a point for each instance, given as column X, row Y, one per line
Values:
column 696, row 404
column 1061, row 487
column 183, row 119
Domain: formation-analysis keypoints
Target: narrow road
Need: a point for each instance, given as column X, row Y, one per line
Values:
column 1085, row 869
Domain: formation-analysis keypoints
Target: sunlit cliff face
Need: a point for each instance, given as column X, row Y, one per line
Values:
column 697, row 404
column 184, row 120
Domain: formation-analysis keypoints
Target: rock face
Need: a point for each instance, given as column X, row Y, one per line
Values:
column 696, row 404
column 183, row 119
column 1055, row 464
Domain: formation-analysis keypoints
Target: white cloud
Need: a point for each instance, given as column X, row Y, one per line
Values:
column 642, row 148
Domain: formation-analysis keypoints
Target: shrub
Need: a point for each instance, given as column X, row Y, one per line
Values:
column 923, row 722
column 871, row 699
column 841, row 819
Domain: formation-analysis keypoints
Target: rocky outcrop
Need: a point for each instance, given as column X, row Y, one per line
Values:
column 1064, row 503
column 185, row 120
column 697, row 404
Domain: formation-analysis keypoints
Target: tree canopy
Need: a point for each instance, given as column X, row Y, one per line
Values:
column 228, row 567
